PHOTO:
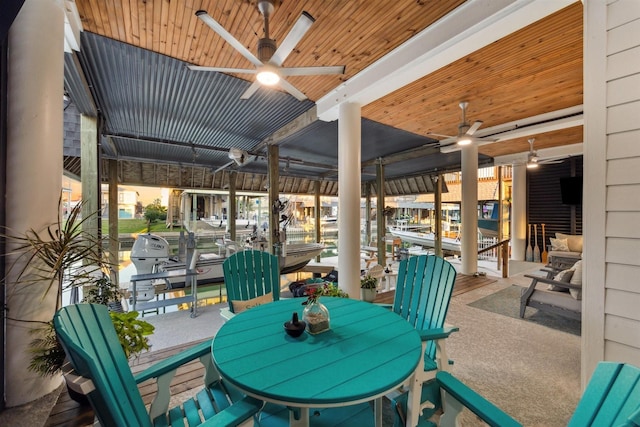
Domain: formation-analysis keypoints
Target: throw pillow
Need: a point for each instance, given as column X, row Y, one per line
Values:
column 576, row 279
column 559, row 245
column 564, row 276
column 573, row 241
column 239, row 306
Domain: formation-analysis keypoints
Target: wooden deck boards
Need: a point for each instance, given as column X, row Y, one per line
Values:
column 464, row 283
column 69, row 413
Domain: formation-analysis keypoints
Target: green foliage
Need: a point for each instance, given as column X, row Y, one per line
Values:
column 52, row 258
column 47, row 355
column 133, row 225
column 327, row 289
column 132, row 332
column 103, row 291
column 332, row 290
column 155, row 211
column 368, row 282
column 61, row 256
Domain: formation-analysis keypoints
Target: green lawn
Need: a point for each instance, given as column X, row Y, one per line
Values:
column 137, row 226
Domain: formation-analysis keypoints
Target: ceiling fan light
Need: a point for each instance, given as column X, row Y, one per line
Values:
column 464, row 140
column 531, row 164
column 268, row 76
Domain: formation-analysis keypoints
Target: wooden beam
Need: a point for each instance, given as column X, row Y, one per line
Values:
column 401, row 156
column 294, row 126
column 380, row 218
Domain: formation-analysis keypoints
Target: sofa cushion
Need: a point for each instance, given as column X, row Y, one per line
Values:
column 557, row 299
column 563, row 276
column 559, row 245
column 576, row 279
column 574, row 241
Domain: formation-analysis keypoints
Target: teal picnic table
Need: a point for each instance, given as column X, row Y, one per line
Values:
column 368, row 352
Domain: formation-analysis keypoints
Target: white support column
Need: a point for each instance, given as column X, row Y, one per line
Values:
column 469, row 209
column 519, row 212
column 349, row 156
column 34, row 172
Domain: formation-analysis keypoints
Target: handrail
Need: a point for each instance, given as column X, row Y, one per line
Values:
column 504, row 254
column 493, row 246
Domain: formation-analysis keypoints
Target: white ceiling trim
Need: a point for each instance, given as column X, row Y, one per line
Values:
column 552, row 153
column 534, row 125
column 72, row 27
column 471, row 26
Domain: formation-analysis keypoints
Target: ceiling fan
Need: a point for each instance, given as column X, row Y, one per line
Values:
column 533, row 160
column 465, row 130
column 268, row 64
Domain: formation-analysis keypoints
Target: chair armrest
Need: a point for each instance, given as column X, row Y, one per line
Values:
column 539, row 279
column 172, row 363
column 384, row 305
column 437, row 333
column 226, row 313
column 468, row 398
column 235, row 414
column 76, row 382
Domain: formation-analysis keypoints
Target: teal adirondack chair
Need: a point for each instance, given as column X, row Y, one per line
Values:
column 422, row 296
column 251, row 277
column 612, row 398
column 87, row 334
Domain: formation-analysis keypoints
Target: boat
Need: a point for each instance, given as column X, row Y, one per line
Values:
column 489, row 226
column 427, row 239
column 150, row 254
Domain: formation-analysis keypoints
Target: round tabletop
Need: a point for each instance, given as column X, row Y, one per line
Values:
column 368, row 351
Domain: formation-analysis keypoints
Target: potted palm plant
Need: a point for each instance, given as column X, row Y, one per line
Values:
column 368, row 288
column 62, row 257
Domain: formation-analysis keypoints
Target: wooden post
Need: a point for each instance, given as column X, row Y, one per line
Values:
column 381, row 220
column 367, row 213
column 505, row 259
column 274, row 177
column 231, row 218
column 437, row 230
column 113, row 220
column 500, row 215
column 317, row 215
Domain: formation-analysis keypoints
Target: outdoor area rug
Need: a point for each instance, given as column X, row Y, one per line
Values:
column 507, row 303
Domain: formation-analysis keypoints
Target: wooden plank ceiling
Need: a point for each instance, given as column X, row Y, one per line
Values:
column 535, row 70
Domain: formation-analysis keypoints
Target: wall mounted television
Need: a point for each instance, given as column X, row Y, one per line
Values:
column 571, row 190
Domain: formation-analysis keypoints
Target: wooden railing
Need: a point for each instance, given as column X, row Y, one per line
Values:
column 503, row 256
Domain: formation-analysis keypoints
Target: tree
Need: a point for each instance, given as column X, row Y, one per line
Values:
column 154, row 212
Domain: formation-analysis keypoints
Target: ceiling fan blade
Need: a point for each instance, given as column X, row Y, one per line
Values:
column 439, row 134
column 292, row 90
column 474, row 127
column 312, row 71
column 251, row 90
column 290, row 41
column 215, row 26
column 485, row 139
column 222, row 69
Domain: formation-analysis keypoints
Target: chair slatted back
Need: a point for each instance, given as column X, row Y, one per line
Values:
column 423, row 292
column 250, row 274
column 612, row 397
column 88, row 337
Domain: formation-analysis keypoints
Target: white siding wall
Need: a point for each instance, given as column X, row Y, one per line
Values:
column 612, row 330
